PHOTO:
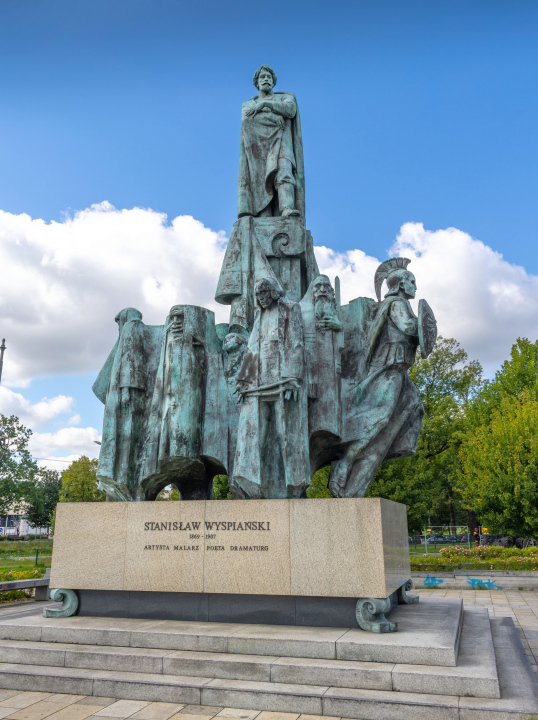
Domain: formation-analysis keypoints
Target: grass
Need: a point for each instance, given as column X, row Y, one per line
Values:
column 21, row 548
column 16, row 555
column 18, row 564
column 419, row 550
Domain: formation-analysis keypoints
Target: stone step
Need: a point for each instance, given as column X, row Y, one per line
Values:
column 428, row 634
column 519, row 690
column 475, row 674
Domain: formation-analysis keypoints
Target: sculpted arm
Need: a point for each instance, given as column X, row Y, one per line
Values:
column 295, row 352
column 403, row 317
column 284, row 106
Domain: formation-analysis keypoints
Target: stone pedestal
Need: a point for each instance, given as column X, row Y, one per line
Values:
column 285, row 559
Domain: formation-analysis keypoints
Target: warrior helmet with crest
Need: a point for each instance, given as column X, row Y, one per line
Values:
column 387, row 271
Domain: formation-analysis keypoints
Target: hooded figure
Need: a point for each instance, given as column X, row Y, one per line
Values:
column 387, row 411
column 175, row 425
column 271, row 152
column 271, row 459
column 121, row 386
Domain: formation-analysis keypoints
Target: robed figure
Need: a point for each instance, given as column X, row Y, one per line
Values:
column 324, row 342
column 271, row 165
column 271, row 459
column 121, row 386
column 175, row 426
column 234, row 349
column 387, row 411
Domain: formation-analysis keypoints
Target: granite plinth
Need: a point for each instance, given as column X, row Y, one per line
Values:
column 316, row 548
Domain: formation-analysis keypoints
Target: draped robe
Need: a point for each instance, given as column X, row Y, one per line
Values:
column 271, row 459
column 267, row 137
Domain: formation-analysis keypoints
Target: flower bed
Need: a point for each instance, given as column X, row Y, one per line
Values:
column 11, row 595
column 483, row 557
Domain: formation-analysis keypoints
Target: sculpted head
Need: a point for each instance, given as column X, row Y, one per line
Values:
column 264, row 78
column 322, row 289
column 126, row 315
column 176, row 320
column 402, row 282
column 267, row 292
column 232, row 342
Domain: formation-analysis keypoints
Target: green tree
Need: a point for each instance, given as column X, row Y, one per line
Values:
column 518, row 374
column 221, row 489
column 427, row 482
column 318, row 488
column 79, row 482
column 499, row 460
column 16, row 464
column 41, row 497
column 168, row 493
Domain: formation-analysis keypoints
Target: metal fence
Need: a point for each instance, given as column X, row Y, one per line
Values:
column 435, row 537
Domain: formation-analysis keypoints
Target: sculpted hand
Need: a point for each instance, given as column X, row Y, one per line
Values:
column 291, row 392
column 330, row 323
column 240, row 389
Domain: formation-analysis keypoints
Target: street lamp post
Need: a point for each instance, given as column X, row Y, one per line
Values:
column 2, row 350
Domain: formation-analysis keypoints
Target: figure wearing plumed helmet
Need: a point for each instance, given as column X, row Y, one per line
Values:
column 386, row 408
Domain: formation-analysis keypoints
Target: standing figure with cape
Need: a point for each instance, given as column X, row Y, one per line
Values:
column 386, row 411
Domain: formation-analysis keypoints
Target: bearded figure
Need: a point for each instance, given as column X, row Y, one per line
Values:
column 174, row 439
column 386, row 411
column 271, row 166
column 324, row 342
column 271, row 459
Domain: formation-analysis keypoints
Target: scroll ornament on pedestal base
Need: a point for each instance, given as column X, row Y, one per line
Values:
column 69, row 606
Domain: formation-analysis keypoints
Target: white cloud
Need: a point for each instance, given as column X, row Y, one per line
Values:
column 59, row 463
column 71, row 442
column 36, row 415
column 63, row 283
column 478, row 298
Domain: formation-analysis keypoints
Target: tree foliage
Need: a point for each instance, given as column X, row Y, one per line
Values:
column 500, row 466
column 79, row 482
column 16, row 464
column 41, row 497
column 318, row 488
column 168, row 493
column 221, row 489
column 427, row 482
column 516, row 375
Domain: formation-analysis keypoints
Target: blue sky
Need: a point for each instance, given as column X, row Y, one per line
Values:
column 412, row 112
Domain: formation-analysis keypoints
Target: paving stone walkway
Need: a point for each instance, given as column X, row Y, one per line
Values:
column 36, row 705
column 522, row 606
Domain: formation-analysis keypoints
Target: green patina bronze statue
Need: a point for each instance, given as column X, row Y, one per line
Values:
column 271, row 167
column 271, row 460
column 293, row 382
column 385, row 411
